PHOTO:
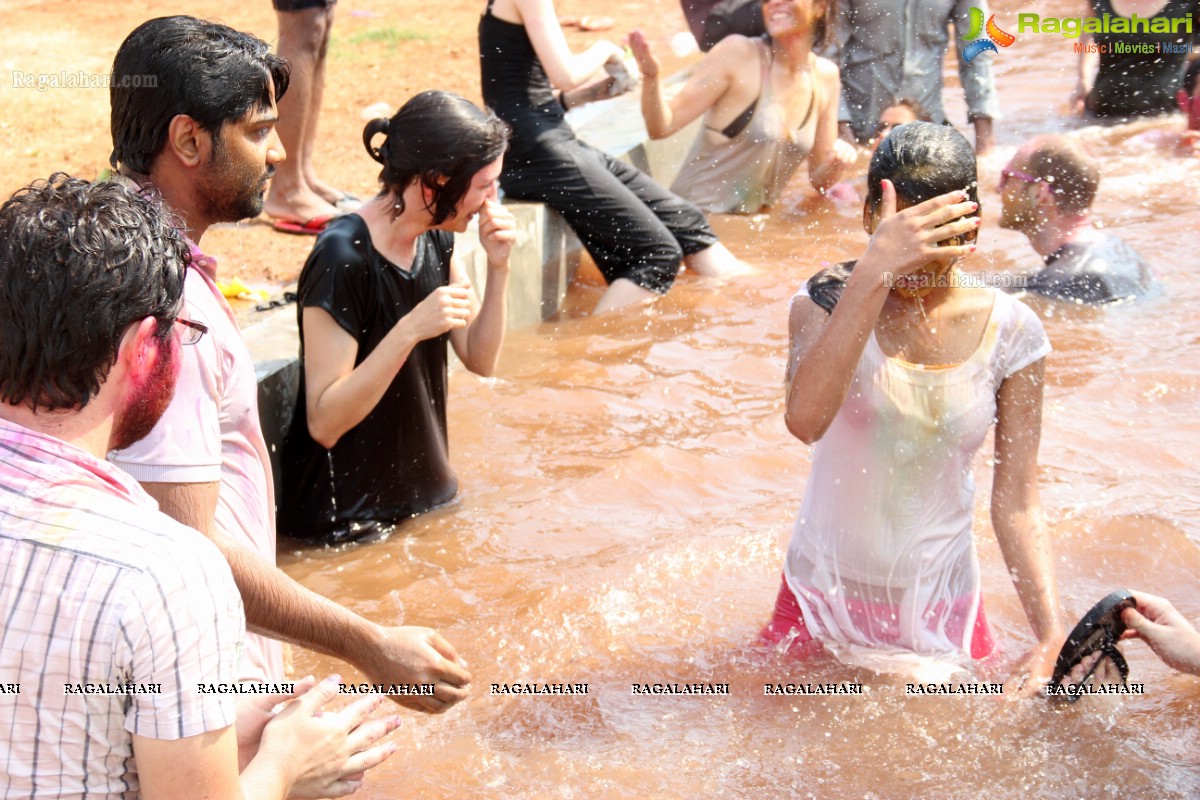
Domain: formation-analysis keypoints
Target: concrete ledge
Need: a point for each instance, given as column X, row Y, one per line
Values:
column 544, row 260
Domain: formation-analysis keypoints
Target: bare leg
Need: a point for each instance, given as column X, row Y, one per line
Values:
column 715, row 262
column 329, row 194
column 622, row 292
column 301, row 34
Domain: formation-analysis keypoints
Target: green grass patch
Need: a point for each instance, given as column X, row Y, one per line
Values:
column 388, row 36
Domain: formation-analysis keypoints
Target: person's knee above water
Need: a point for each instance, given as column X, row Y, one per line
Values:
column 116, row 616
column 1047, row 190
column 203, row 138
column 636, row 231
column 380, row 299
column 889, row 49
column 756, row 134
column 897, row 388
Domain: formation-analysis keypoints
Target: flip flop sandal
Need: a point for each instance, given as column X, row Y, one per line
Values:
column 586, row 23
column 311, row 227
column 1095, row 637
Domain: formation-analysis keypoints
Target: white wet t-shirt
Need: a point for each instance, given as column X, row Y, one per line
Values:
column 882, row 559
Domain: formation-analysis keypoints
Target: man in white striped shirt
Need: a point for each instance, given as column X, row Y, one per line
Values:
column 113, row 614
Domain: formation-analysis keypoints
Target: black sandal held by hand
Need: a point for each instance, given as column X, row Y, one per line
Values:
column 1096, row 635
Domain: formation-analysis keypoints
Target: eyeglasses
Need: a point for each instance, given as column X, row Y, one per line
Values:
column 192, row 331
column 1006, row 174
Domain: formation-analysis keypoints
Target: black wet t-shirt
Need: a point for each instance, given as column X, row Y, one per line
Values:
column 395, row 463
column 1132, row 83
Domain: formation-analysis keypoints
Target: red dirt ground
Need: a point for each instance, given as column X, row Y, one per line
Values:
column 382, row 51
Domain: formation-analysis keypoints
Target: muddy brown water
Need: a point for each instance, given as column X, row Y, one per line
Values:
column 628, row 487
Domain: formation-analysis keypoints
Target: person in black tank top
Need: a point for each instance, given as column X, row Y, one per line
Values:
column 378, row 305
column 1136, row 83
column 636, row 231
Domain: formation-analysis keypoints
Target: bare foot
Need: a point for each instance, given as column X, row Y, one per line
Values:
column 300, row 206
column 717, row 262
column 330, row 194
column 586, row 23
column 621, row 293
column 595, row 23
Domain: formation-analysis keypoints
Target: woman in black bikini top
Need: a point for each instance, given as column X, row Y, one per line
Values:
column 768, row 103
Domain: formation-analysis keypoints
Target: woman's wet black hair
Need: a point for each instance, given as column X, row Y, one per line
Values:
column 922, row 160
column 443, row 140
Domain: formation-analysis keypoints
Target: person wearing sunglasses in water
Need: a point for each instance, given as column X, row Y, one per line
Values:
column 1046, row 192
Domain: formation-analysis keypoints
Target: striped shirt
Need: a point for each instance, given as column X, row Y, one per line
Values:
column 112, row 614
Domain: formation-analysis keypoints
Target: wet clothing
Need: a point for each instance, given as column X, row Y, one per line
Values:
column 893, row 49
column 211, row 433
column 1136, row 83
column 882, row 561
column 1101, row 269
column 787, row 625
column 747, row 166
column 713, row 20
column 394, row 464
column 100, row 589
column 632, row 227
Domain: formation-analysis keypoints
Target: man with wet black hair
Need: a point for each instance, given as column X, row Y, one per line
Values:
column 1047, row 191
column 204, row 138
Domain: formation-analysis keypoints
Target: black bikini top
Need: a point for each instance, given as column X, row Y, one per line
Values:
column 742, row 120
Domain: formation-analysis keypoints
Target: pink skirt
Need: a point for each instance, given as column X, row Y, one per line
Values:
column 788, row 621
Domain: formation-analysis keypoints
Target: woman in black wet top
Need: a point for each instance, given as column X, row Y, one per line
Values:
column 635, row 230
column 1131, row 82
column 379, row 301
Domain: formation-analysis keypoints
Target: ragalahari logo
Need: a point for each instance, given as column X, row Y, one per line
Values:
column 998, row 37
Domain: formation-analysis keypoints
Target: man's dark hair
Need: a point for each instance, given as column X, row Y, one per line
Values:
column 79, row 264
column 922, row 160
column 183, row 65
column 1063, row 163
column 442, row 139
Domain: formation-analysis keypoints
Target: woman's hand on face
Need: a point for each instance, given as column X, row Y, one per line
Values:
column 497, row 232
column 646, row 60
column 904, row 241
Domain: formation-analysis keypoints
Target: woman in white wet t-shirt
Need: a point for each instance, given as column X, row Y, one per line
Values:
column 896, row 371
